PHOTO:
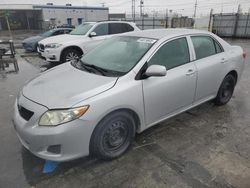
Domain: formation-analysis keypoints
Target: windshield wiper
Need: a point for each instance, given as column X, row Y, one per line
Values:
column 99, row 69
column 79, row 65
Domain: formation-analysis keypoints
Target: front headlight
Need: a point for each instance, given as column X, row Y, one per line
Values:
column 53, row 45
column 57, row 117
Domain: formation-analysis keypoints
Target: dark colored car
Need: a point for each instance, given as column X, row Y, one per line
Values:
column 30, row 44
column 66, row 26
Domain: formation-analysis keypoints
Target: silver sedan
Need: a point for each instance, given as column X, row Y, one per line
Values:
column 125, row 85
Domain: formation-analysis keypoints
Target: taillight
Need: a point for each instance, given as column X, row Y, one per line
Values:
column 244, row 55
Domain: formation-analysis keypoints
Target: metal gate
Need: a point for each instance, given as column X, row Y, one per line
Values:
column 232, row 25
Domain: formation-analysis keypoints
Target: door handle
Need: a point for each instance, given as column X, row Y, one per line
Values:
column 223, row 60
column 190, row 72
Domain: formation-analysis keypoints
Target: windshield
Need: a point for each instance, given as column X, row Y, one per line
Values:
column 47, row 33
column 119, row 54
column 81, row 29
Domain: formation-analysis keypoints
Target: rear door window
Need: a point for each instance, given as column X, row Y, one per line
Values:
column 204, row 46
column 115, row 28
column 127, row 27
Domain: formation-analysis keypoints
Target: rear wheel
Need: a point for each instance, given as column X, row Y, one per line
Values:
column 70, row 54
column 113, row 136
column 226, row 90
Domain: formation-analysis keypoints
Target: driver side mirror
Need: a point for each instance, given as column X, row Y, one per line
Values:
column 92, row 34
column 156, row 71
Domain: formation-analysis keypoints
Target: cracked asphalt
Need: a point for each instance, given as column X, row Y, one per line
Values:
column 207, row 146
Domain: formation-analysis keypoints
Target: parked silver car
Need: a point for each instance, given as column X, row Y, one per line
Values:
column 125, row 85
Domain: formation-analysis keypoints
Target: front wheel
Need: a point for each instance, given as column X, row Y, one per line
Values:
column 70, row 55
column 226, row 90
column 113, row 136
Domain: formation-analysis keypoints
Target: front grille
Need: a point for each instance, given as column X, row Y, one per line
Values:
column 41, row 47
column 25, row 45
column 25, row 113
column 55, row 149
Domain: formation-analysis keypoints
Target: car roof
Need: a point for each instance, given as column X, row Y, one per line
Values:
column 89, row 22
column 99, row 22
column 162, row 33
column 107, row 21
column 63, row 28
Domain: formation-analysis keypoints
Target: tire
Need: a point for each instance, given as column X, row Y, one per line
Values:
column 70, row 54
column 113, row 136
column 35, row 48
column 226, row 90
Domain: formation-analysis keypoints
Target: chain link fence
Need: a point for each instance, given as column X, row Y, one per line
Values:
column 157, row 23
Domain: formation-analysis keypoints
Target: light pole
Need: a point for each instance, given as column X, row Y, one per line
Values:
column 141, row 5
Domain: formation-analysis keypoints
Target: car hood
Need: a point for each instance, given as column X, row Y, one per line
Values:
column 33, row 39
column 62, row 38
column 65, row 86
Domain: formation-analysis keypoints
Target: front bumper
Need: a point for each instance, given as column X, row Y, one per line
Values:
column 51, row 55
column 62, row 143
column 30, row 47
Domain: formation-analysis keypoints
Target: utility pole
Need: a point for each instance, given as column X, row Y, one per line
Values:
column 195, row 8
column 195, row 11
column 222, row 6
column 103, row 4
column 141, row 5
column 133, row 10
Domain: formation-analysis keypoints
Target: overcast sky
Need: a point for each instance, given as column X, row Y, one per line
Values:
column 185, row 7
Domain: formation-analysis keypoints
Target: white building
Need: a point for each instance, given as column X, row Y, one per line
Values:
column 28, row 16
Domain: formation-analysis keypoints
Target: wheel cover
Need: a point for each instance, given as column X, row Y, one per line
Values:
column 71, row 56
column 115, row 136
column 227, row 90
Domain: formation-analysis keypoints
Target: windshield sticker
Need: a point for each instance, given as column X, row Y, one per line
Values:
column 144, row 40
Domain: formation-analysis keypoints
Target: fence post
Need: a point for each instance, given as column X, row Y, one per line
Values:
column 247, row 24
column 210, row 21
column 142, row 20
column 236, row 22
column 153, row 22
column 166, row 20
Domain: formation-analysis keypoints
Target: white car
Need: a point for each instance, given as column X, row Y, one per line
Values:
column 72, row 46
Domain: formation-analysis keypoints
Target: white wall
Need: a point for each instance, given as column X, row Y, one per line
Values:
column 61, row 15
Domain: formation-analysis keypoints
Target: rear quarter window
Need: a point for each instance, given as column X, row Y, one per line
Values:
column 218, row 47
column 127, row 27
column 205, row 46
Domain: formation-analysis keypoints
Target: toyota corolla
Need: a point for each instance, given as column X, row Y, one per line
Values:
column 97, row 104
